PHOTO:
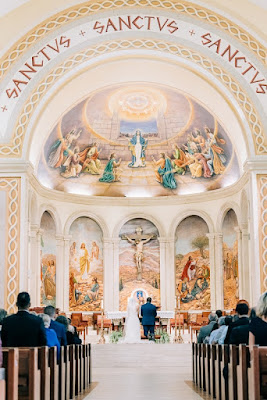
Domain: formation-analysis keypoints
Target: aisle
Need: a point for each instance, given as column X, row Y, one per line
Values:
column 142, row 371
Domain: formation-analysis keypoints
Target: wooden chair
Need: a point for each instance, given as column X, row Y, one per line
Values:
column 257, row 373
column 95, row 315
column 107, row 323
column 181, row 320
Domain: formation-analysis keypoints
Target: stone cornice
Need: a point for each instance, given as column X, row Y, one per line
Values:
column 256, row 164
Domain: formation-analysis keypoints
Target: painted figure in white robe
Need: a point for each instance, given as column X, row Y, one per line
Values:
column 137, row 146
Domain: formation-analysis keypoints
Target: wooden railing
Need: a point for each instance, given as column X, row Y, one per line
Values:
column 230, row 372
column 35, row 373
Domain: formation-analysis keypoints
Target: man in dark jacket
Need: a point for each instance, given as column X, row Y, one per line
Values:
column 242, row 321
column 23, row 329
column 149, row 313
column 56, row 326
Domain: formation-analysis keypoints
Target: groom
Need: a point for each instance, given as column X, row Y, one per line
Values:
column 149, row 313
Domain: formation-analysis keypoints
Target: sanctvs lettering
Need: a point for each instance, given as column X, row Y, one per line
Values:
column 32, row 66
column 239, row 62
column 136, row 23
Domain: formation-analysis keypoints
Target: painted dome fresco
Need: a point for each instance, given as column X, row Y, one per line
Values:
column 138, row 140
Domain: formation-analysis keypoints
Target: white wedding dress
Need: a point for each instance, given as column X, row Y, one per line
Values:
column 132, row 324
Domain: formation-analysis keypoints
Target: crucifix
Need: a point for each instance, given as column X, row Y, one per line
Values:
column 138, row 240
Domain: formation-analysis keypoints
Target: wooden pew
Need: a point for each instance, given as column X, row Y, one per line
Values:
column 11, row 366
column 78, row 370
column 33, row 373
column 213, row 358
column 232, row 372
column 257, row 373
column 43, row 366
column 242, row 372
column 72, row 371
column 29, row 374
column 61, row 375
column 52, row 360
column 2, row 384
column 224, row 358
column 207, row 355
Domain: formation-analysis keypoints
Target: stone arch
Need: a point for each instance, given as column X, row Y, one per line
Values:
column 102, row 225
column 224, row 210
column 54, row 214
column 147, row 217
column 190, row 213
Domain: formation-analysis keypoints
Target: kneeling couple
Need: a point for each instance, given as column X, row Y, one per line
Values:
column 132, row 325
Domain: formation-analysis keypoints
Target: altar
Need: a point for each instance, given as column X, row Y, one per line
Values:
column 118, row 318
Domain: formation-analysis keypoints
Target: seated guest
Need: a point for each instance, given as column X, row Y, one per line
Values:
column 72, row 337
column 243, row 319
column 57, row 327
column 1, row 355
column 253, row 313
column 23, row 329
column 51, row 335
column 218, row 335
column 206, row 330
column 3, row 315
column 258, row 326
column 219, row 313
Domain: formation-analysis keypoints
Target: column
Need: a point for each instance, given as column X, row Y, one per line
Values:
column 170, row 274
column 66, row 252
column 163, row 273
column 219, row 274
column 211, row 237
column 116, row 274
column 108, row 274
column 33, row 282
column 60, row 267
column 241, row 277
column 245, row 263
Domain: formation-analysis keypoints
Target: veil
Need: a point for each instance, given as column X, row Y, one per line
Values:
column 132, row 323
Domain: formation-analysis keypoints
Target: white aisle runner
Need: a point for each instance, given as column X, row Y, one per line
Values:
column 142, row 371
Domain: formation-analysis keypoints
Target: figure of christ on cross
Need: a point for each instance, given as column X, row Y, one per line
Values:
column 139, row 240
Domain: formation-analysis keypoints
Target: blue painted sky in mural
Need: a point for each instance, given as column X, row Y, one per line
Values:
column 144, row 126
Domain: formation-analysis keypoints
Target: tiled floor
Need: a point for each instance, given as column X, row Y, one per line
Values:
column 142, row 371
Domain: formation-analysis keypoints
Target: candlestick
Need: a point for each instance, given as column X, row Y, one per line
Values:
column 102, row 337
column 178, row 339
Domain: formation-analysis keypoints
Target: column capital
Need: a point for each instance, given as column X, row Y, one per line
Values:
column 66, row 238
column 237, row 230
column 110, row 240
column 60, row 240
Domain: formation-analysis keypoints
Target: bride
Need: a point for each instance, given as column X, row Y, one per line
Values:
column 132, row 323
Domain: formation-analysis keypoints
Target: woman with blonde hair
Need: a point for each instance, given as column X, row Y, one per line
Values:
column 258, row 326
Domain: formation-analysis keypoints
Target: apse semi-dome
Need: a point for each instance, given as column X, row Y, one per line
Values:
column 141, row 140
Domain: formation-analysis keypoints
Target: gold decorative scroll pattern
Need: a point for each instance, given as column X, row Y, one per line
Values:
column 15, row 147
column 91, row 8
column 262, row 190
column 12, row 188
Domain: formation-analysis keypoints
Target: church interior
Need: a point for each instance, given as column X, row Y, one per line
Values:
column 133, row 165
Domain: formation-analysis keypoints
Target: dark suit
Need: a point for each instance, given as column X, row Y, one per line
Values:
column 149, row 313
column 239, row 322
column 60, row 331
column 239, row 334
column 23, row 330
